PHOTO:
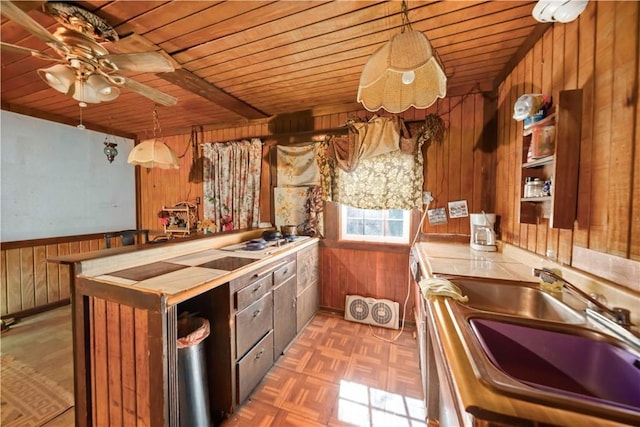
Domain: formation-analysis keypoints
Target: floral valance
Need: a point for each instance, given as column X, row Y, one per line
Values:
column 392, row 180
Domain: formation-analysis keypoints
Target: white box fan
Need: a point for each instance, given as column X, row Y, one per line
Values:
column 376, row 312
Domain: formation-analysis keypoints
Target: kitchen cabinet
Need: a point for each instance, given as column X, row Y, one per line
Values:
column 308, row 284
column 126, row 307
column 560, row 168
column 284, row 307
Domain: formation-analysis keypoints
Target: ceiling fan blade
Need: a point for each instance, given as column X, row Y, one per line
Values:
column 26, row 51
column 145, row 62
column 21, row 18
column 153, row 94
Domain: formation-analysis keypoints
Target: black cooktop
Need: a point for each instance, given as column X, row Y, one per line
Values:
column 229, row 263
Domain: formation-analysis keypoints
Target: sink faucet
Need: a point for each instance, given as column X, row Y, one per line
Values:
column 620, row 315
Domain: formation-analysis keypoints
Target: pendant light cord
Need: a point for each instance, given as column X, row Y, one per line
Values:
column 405, row 17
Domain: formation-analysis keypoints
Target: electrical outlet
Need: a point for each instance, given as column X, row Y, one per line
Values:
column 426, row 197
column 197, row 200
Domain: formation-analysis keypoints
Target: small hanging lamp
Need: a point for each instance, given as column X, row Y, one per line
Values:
column 404, row 72
column 154, row 153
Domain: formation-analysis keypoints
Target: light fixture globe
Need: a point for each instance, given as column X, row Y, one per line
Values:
column 153, row 154
column 60, row 77
column 404, row 72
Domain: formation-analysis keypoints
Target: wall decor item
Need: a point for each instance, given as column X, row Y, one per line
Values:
column 290, row 204
column 437, row 216
column 297, row 165
column 458, row 209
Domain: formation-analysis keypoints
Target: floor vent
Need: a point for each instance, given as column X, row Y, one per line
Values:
column 376, row 312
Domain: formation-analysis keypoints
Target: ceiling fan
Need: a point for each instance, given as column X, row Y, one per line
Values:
column 85, row 70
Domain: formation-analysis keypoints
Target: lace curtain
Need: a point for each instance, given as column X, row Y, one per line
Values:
column 232, row 183
column 392, row 180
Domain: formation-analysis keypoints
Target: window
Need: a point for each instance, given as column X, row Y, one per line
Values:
column 370, row 225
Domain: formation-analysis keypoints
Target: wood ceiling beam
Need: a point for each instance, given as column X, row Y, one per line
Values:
column 65, row 120
column 189, row 81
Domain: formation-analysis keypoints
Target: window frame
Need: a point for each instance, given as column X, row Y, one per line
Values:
column 343, row 236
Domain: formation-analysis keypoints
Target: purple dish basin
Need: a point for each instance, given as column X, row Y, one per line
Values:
column 561, row 362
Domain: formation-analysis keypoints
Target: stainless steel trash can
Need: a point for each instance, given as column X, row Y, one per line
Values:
column 193, row 389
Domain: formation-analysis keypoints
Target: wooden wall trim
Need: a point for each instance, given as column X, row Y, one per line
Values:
column 17, row 244
column 621, row 271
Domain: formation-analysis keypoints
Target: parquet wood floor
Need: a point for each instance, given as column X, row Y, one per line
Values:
column 335, row 373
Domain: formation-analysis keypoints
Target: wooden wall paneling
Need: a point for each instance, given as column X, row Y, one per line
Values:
column 634, row 245
column 14, row 293
column 53, row 278
column 3, row 283
column 502, row 197
column 114, row 358
column 27, row 285
column 455, row 170
column 467, row 159
column 100, row 384
column 625, row 70
column 586, row 64
column 64, row 276
column 444, row 166
column 127, row 339
column 430, row 169
column 40, row 275
column 602, row 127
column 141, row 344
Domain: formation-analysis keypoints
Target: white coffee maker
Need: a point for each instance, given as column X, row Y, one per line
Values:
column 483, row 236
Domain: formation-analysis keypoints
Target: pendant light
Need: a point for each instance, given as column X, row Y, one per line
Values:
column 404, row 72
column 154, row 153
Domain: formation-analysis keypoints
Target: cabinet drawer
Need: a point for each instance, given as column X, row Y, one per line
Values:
column 283, row 273
column 253, row 323
column 252, row 292
column 254, row 366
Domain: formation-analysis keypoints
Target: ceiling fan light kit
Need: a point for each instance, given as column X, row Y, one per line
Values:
column 402, row 73
column 87, row 71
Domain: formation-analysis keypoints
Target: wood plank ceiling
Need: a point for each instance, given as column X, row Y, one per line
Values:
column 239, row 61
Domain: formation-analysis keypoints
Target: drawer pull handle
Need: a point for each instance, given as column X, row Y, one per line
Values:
column 259, row 355
column 284, row 273
column 256, row 313
column 257, row 288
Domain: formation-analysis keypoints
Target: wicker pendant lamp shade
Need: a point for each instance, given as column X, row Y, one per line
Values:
column 404, row 72
column 154, row 153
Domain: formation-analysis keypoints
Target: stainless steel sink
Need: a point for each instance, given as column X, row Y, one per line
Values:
column 516, row 299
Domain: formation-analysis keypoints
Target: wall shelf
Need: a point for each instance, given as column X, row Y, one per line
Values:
column 185, row 219
column 561, row 168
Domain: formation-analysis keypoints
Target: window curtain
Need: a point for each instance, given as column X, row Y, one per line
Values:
column 232, row 183
column 392, row 180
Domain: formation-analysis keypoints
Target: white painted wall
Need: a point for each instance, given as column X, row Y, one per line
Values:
column 56, row 181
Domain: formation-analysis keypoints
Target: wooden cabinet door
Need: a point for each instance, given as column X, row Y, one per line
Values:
column 284, row 315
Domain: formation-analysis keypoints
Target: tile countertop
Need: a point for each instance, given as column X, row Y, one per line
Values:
column 181, row 270
column 438, row 258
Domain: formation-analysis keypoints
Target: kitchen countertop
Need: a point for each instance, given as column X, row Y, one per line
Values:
column 472, row 393
column 179, row 270
column 458, row 259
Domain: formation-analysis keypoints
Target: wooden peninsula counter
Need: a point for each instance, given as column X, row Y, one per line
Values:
column 126, row 303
